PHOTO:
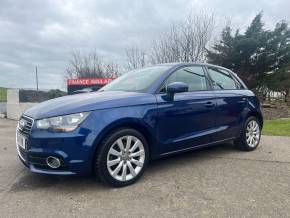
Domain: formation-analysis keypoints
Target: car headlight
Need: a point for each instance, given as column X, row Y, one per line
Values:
column 64, row 123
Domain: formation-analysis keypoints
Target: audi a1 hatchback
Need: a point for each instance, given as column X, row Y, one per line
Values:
column 143, row 115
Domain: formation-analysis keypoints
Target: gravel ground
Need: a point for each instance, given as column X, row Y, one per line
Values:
column 214, row 182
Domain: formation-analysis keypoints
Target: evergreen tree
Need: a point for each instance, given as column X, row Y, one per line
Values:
column 280, row 45
column 222, row 53
column 252, row 60
column 279, row 78
column 251, row 55
column 255, row 30
column 280, row 81
column 260, row 57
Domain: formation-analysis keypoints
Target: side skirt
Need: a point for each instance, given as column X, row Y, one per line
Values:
column 196, row 147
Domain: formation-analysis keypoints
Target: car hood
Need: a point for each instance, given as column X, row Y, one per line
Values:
column 88, row 102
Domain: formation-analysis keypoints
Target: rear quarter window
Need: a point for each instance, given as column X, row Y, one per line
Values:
column 222, row 79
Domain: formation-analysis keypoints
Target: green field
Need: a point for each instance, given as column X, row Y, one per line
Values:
column 277, row 127
column 3, row 94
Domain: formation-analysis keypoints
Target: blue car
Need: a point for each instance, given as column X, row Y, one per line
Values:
column 145, row 114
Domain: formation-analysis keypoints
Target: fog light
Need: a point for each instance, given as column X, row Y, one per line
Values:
column 53, row 162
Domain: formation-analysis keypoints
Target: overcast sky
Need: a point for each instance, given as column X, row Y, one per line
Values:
column 44, row 32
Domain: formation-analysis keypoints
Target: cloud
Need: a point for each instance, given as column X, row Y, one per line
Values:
column 43, row 33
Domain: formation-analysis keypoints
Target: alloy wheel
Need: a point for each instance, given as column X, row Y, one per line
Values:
column 253, row 133
column 126, row 158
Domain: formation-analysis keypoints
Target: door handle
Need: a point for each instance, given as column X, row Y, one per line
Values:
column 209, row 104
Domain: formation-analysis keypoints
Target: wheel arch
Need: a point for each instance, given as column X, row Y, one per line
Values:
column 127, row 123
column 258, row 115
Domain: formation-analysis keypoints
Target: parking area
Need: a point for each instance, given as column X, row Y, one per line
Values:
column 218, row 181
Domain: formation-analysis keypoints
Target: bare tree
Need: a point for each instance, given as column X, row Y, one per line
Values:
column 185, row 41
column 167, row 47
column 136, row 58
column 89, row 65
column 111, row 70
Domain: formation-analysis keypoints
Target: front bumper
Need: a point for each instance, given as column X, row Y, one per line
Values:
column 34, row 158
column 42, row 168
column 74, row 149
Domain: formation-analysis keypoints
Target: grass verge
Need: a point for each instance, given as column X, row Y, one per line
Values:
column 279, row 127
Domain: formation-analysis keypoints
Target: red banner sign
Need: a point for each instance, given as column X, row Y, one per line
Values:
column 89, row 81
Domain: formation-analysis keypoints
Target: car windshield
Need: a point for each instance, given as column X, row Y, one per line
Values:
column 136, row 80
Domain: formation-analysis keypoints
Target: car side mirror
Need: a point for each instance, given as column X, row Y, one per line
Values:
column 176, row 87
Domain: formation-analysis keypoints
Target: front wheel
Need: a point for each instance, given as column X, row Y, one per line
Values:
column 250, row 135
column 122, row 157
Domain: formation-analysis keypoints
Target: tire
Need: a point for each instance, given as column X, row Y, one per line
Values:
column 117, row 166
column 251, row 129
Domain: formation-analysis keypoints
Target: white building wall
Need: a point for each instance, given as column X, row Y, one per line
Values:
column 3, row 107
column 14, row 107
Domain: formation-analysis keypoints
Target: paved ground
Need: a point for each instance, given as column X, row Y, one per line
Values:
column 219, row 182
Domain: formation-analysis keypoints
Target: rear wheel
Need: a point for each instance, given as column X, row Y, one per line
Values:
column 122, row 157
column 250, row 135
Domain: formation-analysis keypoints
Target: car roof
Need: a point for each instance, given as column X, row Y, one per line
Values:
column 176, row 64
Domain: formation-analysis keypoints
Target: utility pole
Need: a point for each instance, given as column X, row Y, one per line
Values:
column 36, row 76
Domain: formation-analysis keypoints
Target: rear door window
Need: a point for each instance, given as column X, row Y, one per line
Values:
column 221, row 79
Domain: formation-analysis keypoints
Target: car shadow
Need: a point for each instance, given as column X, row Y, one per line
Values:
column 191, row 156
column 28, row 181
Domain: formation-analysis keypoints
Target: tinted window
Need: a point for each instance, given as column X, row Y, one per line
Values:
column 137, row 80
column 238, row 84
column 193, row 76
column 221, row 79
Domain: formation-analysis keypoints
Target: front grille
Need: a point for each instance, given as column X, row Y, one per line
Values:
column 25, row 125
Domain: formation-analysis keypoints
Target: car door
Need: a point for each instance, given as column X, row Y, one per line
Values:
column 188, row 120
column 231, row 103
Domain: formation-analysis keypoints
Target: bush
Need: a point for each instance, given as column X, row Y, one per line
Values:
column 39, row 96
column 3, row 94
